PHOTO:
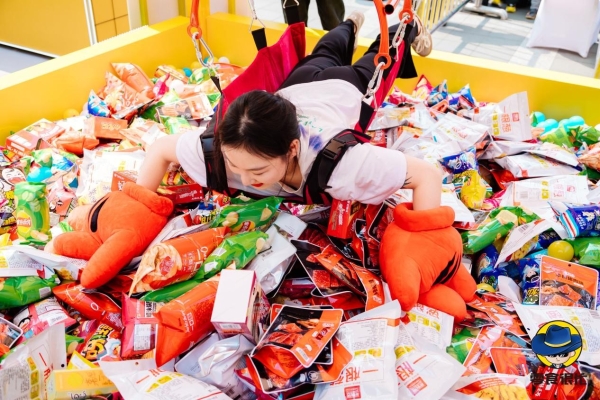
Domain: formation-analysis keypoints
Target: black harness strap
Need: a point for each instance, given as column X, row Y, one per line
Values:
column 292, row 11
column 260, row 38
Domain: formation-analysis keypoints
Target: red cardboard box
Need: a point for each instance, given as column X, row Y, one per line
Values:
column 343, row 215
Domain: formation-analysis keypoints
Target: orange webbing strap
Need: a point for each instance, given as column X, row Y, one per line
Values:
column 194, row 22
column 383, row 57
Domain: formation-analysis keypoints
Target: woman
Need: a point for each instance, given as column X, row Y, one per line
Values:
column 269, row 142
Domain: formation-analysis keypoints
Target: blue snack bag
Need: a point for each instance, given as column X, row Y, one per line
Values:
column 438, row 94
column 96, row 106
column 578, row 220
column 530, row 275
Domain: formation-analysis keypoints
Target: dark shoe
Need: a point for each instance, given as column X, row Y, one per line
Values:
column 531, row 14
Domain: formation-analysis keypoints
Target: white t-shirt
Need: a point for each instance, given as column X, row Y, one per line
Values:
column 366, row 173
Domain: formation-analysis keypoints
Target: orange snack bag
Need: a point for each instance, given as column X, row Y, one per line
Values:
column 132, row 75
column 567, row 284
column 175, row 260
column 185, row 321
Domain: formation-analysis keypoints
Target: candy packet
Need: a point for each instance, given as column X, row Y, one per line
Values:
column 214, row 361
column 488, row 387
column 26, row 370
column 586, row 321
column 175, row 260
column 90, row 304
column 32, row 212
column 578, row 220
column 424, row 371
column 371, row 337
column 429, row 324
column 23, row 290
column 133, row 75
column 141, row 380
column 534, row 166
column 185, row 321
column 104, row 344
column 140, row 326
column 39, row 316
column 567, row 284
column 246, row 217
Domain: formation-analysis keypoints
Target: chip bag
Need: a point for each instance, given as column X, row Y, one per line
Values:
column 39, row 316
column 22, row 290
column 567, row 284
column 104, row 344
column 175, row 260
column 246, row 217
column 489, row 387
column 132, row 75
column 32, row 212
column 578, row 220
column 122, row 99
column 140, row 326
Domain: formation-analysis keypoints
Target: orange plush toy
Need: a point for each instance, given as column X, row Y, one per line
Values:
column 118, row 228
column 420, row 260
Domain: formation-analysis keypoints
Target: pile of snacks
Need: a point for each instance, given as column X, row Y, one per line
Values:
column 244, row 299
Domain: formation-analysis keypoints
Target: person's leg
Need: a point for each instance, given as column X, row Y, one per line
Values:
column 302, row 9
column 331, row 13
column 535, row 6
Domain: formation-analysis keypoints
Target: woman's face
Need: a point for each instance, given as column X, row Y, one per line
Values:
column 254, row 170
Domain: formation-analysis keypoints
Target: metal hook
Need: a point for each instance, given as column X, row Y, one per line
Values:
column 254, row 16
column 374, row 83
column 198, row 41
column 285, row 3
column 399, row 36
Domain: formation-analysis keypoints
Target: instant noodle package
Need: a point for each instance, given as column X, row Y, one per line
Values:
column 249, row 298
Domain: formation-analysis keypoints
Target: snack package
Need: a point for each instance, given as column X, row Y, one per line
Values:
column 246, row 217
column 555, row 152
column 79, row 384
column 587, row 251
column 132, row 75
column 26, row 370
column 32, row 212
column 514, row 361
column 97, row 169
column 39, row 316
column 9, row 334
column 75, row 142
column 429, row 324
column 96, row 106
column 91, row 304
column 530, row 279
column 488, row 387
column 122, row 99
column 249, row 315
column 567, row 284
column 533, row 166
column 22, row 290
column 272, row 264
column 196, row 107
column 175, row 125
column 141, row 380
column 104, row 344
column 578, row 220
column 586, row 321
column 214, row 361
column 452, row 129
column 424, row 371
column 473, row 189
column 73, row 342
column 371, row 337
column 537, row 192
column 9, row 176
column 175, row 260
column 343, row 216
column 509, row 119
column 497, row 225
column 522, row 240
column 295, row 339
column 140, row 326
column 503, row 148
column 185, row 321
column 500, row 310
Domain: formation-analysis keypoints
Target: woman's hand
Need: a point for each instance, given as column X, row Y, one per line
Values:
column 426, row 182
column 158, row 157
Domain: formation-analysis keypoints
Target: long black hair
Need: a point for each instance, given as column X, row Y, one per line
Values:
column 259, row 122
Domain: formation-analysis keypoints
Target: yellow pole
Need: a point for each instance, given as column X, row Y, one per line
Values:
column 181, row 7
column 231, row 6
column 144, row 12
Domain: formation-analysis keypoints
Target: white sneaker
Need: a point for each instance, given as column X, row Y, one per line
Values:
column 358, row 18
column 423, row 43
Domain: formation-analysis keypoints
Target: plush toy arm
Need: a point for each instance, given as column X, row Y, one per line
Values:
column 463, row 283
column 76, row 245
column 423, row 220
column 157, row 204
column 109, row 259
column 404, row 280
column 441, row 297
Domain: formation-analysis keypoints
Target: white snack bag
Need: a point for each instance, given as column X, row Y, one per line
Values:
column 65, row 267
column 25, row 372
column 371, row 337
column 538, row 192
column 214, row 361
column 586, row 321
column 97, row 169
column 532, row 166
column 518, row 237
column 432, row 325
column 449, row 198
column 424, row 371
column 509, row 119
column 289, row 225
column 499, row 149
column 454, row 129
column 141, row 380
column 272, row 264
column 489, row 387
column 555, row 152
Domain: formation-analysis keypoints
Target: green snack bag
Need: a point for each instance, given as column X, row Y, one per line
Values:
column 498, row 224
column 462, row 343
column 587, row 134
column 72, row 342
column 202, row 74
column 32, row 212
column 241, row 199
column 239, row 250
column 169, row 98
column 23, row 290
column 249, row 216
column 170, row 292
column 587, row 250
column 175, row 125
column 559, row 136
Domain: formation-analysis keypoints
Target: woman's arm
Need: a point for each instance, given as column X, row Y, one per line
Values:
column 426, row 182
column 371, row 174
column 158, row 157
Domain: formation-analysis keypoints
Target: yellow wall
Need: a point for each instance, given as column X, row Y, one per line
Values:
column 52, row 26
column 110, row 18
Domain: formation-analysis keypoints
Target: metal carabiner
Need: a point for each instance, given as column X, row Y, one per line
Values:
column 399, row 36
column 285, row 3
column 198, row 41
column 374, row 83
column 254, row 16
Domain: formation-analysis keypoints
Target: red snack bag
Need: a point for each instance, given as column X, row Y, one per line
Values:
column 122, row 99
column 500, row 312
column 140, row 326
column 343, row 215
column 85, row 329
column 39, row 316
column 302, row 333
column 185, row 321
column 132, row 75
column 91, row 305
column 104, row 344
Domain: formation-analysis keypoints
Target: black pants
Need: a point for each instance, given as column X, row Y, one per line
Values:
column 332, row 59
column 331, row 12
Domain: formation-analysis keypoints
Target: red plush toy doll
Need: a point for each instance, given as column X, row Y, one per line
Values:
column 420, row 260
